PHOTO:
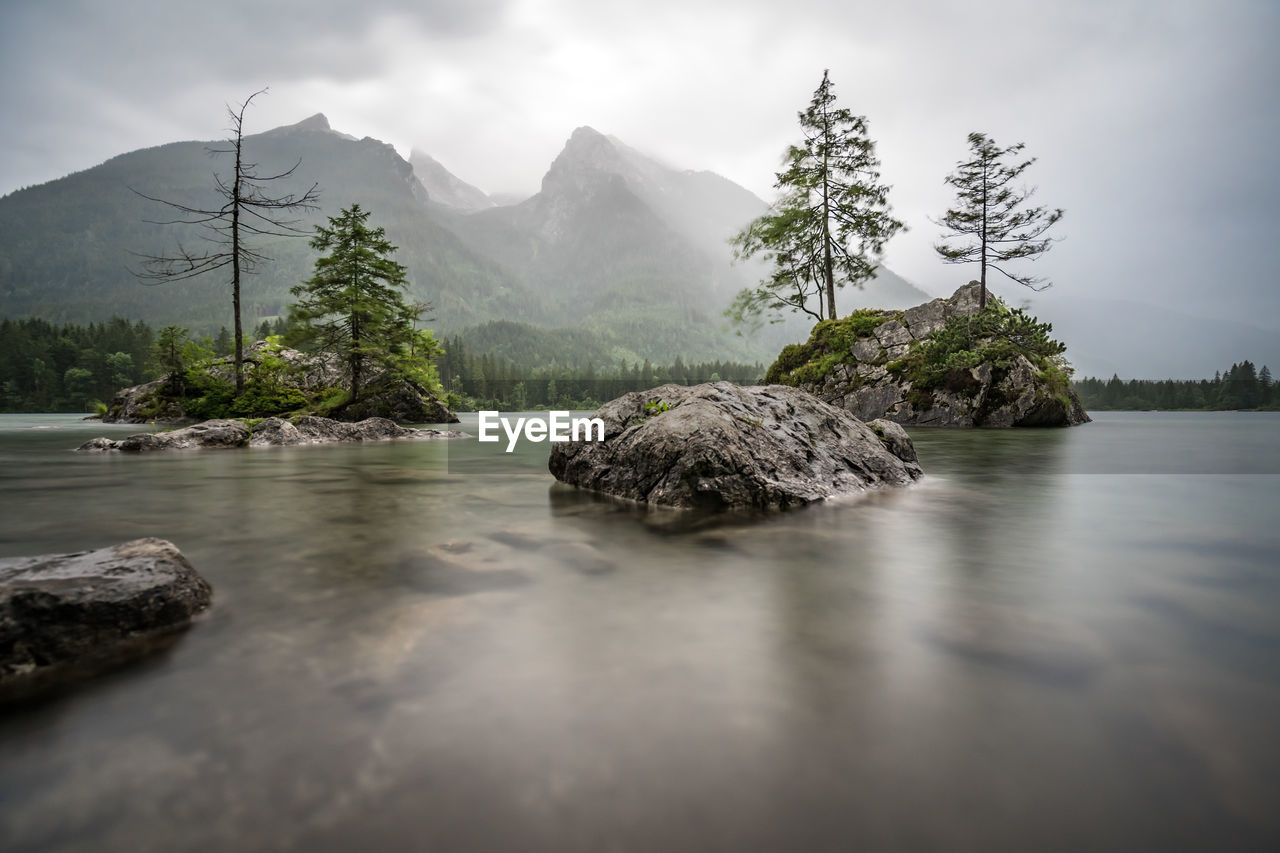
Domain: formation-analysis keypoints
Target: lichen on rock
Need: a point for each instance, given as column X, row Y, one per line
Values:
column 724, row 446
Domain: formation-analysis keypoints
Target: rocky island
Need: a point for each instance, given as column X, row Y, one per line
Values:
column 281, row 380
column 724, row 446
column 943, row 363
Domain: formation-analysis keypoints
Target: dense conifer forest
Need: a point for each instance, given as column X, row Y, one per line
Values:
column 48, row 367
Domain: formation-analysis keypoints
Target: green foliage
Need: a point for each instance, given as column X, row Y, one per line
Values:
column 64, row 368
column 354, row 306
column 260, row 402
column 830, row 344
column 830, row 223
column 167, row 357
column 331, row 400
column 995, row 336
column 656, row 408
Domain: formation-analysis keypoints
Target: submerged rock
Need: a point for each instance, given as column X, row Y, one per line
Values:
column 720, row 445
column 68, row 615
column 867, row 379
column 267, row 432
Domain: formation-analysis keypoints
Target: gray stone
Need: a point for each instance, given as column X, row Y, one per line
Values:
column 274, row 432
column 211, row 434
column 874, row 401
column 964, row 301
column 63, row 616
column 892, row 334
column 925, row 319
column 866, row 349
column 895, row 438
column 871, row 372
column 268, row 432
column 726, row 446
column 136, row 405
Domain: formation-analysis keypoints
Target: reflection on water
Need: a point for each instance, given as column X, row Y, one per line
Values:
column 1017, row 653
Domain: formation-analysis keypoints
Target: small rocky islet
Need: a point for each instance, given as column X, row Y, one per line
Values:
column 873, row 364
column 268, row 432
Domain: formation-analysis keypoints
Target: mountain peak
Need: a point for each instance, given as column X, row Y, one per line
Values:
column 587, row 156
column 315, row 122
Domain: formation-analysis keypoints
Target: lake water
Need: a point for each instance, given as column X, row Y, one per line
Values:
column 1059, row 640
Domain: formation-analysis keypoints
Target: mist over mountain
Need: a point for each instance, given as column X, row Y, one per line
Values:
column 443, row 187
column 67, row 246
column 630, row 253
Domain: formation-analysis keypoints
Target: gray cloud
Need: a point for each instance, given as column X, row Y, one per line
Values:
column 1155, row 124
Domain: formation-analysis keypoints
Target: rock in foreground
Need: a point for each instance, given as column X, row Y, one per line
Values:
column 63, row 615
column 720, row 445
column 267, row 432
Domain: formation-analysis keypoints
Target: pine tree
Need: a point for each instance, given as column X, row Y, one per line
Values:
column 354, row 304
column 991, row 217
column 832, row 219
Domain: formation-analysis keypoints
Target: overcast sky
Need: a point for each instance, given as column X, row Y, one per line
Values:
column 1155, row 123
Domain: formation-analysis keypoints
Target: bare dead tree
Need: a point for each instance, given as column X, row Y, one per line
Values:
column 248, row 211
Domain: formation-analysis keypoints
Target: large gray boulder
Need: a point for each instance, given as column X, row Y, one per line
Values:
column 269, row 432
column 720, row 445
column 64, row 615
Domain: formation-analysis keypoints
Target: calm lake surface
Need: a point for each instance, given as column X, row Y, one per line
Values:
column 1059, row 640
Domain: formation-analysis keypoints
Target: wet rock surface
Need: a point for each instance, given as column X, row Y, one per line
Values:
column 269, row 432
column 721, row 446
column 65, row 616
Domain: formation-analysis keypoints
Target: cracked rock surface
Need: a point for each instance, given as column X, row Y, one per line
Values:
column 719, row 446
column 267, row 432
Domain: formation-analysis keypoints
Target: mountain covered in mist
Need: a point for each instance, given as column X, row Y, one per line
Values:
column 631, row 254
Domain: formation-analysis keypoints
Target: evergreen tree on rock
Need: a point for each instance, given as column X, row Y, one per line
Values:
column 354, row 305
column 992, row 222
column 831, row 222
